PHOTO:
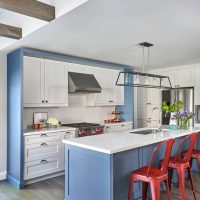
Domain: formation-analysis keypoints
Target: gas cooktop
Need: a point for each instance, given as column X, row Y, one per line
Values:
column 81, row 125
column 86, row 129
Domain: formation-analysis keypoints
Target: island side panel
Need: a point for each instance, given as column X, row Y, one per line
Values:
column 123, row 164
column 88, row 174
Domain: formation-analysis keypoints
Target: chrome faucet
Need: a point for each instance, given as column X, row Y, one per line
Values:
column 160, row 117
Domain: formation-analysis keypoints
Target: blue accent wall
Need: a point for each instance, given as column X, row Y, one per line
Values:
column 127, row 110
column 14, row 119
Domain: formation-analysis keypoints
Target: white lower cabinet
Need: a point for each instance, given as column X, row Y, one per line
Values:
column 44, row 153
column 43, row 167
column 42, row 150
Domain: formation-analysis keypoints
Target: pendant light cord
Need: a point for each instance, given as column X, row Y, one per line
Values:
column 143, row 59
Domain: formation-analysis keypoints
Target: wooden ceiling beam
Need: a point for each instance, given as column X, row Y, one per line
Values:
column 10, row 31
column 30, row 8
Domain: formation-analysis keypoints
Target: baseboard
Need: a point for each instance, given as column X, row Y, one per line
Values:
column 14, row 182
column 41, row 178
column 3, row 175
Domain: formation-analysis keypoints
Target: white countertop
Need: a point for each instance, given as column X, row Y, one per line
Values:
column 47, row 130
column 111, row 143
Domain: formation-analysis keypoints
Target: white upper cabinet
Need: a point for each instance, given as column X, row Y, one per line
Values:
column 56, row 82
column 185, row 77
column 45, row 83
column 111, row 94
column 33, row 79
column 179, row 77
column 102, row 75
column 80, row 68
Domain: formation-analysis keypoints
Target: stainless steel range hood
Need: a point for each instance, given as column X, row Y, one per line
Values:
column 83, row 83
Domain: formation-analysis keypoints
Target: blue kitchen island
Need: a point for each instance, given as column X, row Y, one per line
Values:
column 98, row 167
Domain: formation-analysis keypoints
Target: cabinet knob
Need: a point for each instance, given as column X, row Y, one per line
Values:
column 42, row 101
column 46, row 101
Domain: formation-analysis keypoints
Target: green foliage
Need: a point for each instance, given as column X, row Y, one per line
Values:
column 173, row 107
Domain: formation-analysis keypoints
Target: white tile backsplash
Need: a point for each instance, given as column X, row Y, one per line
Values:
column 75, row 112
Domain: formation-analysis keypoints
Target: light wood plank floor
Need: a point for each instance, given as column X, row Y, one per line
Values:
column 53, row 189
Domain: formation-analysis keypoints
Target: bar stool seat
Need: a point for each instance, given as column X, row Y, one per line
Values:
column 195, row 155
column 141, row 174
column 173, row 162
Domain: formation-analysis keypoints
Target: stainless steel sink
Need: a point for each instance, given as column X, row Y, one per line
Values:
column 145, row 131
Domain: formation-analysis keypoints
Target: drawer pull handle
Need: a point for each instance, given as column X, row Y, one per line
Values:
column 44, row 145
column 43, row 162
column 67, row 132
column 43, row 135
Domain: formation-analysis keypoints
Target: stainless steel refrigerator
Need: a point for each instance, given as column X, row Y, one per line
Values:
column 179, row 94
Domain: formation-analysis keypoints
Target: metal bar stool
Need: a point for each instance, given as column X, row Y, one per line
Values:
column 195, row 155
column 152, row 176
column 181, row 164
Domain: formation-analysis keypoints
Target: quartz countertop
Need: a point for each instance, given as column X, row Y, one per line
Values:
column 111, row 143
column 47, row 130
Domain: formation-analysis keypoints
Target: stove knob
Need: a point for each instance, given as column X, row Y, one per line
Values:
column 101, row 131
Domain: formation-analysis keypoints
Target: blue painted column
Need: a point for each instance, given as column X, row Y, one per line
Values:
column 15, row 159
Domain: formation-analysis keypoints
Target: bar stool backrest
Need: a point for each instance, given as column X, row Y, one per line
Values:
column 188, row 155
column 169, row 143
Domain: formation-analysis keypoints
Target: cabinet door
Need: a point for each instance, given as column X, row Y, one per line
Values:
column 116, row 92
column 33, row 81
column 102, row 75
column 185, row 77
column 153, row 96
column 80, row 68
column 56, row 83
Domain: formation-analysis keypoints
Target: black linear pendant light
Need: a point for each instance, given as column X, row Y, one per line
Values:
column 144, row 79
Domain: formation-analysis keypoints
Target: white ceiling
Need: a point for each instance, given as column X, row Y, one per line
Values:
column 31, row 24
column 110, row 30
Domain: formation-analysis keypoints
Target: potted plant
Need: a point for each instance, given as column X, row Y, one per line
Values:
column 171, row 109
column 183, row 117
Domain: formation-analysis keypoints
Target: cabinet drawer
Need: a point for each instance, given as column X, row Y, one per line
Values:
column 126, row 127
column 42, row 167
column 120, row 127
column 68, row 135
column 43, row 150
column 43, row 137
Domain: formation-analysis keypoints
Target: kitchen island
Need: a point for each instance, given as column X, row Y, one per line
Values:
column 98, row 167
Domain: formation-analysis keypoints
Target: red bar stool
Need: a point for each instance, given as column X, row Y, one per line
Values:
column 151, row 175
column 195, row 155
column 181, row 164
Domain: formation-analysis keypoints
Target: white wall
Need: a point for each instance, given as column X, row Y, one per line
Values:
column 76, row 112
column 3, row 115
